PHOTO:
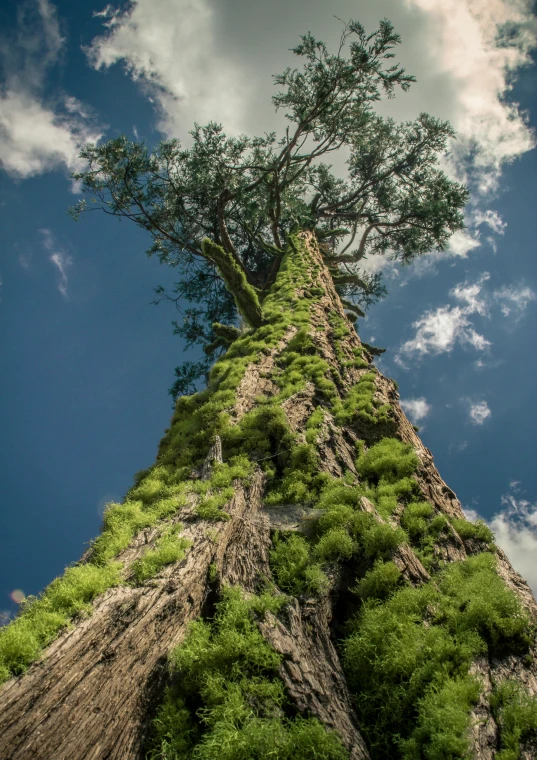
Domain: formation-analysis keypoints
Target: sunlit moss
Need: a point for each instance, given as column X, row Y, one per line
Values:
column 379, row 582
column 389, row 459
column 170, row 547
column 478, row 530
column 229, row 702
column 516, row 714
column 43, row 617
column 408, row 658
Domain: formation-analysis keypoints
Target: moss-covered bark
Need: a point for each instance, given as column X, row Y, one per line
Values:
column 291, row 579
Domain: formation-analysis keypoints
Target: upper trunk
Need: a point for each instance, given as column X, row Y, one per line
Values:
column 299, row 436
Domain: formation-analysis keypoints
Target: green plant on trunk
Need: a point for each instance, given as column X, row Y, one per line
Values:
column 228, row 702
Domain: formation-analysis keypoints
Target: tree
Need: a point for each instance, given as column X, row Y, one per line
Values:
column 292, row 578
column 222, row 211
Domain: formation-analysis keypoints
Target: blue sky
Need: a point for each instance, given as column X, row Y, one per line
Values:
column 87, row 359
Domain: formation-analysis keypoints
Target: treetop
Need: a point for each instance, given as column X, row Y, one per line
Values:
column 247, row 194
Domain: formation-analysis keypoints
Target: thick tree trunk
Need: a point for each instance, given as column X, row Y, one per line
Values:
column 93, row 692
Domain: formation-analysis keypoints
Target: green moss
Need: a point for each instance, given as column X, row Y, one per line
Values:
column 359, row 401
column 387, row 495
column 478, row 530
column 236, row 282
column 170, row 548
column 415, row 519
column 294, row 568
column 335, row 544
column 443, row 720
column 516, row 713
column 174, row 731
column 212, row 508
column 300, row 369
column 121, row 522
column 229, row 702
column 314, row 425
column 339, row 327
column 381, row 539
column 480, row 601
column 408, row 658
column 42, row 618
column 389, row 459
column 379, row 582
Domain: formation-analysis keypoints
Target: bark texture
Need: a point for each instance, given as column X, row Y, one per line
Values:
column 94, row 690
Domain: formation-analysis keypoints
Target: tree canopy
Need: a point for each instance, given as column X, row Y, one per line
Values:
column 221, row 211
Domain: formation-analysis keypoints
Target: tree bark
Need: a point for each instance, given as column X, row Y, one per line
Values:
column 93, row 692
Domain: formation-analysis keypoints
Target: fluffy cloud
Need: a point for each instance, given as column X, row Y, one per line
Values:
column 416, row 409
column 36, row 136
column 515, row 528
column 438, row 331
column 59, row 258
column 492, row 219
column 174, row 51
column 514, row 299
column 479, row 412
column 479, row 45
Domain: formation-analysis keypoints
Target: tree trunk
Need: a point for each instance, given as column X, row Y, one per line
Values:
column 94, row 690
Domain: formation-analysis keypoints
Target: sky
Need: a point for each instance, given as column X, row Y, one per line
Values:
column 87, row 359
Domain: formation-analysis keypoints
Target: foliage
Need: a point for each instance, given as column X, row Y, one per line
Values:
column 169, row 548
column 228, row 702
column 187, row 375
column 516, row 713
column 227, row 206
column 408, row 657
column 43, row 617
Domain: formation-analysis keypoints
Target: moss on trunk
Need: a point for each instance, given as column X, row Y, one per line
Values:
column 311, row 590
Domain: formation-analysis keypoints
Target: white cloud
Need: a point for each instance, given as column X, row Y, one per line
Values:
column 472, row 295
column 460, row 446
column 36, row 135
column 59, row 258
column 462, row 242
column 513, row 299
column 479, row 45
column 416, row 409
column 492, row 219
column 479, row 412
column 174, row 50
column 515, row 528
column 439, row 330
column 35, row 139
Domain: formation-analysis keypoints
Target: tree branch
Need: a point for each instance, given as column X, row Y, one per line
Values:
column 236, row 281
